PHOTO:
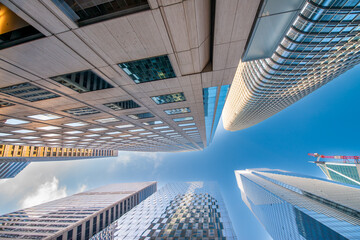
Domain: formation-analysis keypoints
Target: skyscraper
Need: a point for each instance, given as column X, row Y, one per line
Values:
column 193, row 210
column 345, row 172
column 295, row 48
column 79, row 216
column 294, row 206
column 131, row 75
column 14, row 158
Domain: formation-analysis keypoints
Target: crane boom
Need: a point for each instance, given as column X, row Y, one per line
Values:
column 356, row 158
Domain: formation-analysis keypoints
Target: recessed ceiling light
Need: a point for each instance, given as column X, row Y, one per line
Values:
column 71, row 137
column 13, row 121
column 45, row 116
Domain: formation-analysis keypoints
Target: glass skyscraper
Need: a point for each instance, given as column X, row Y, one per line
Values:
column 297, row 207
column 192, row 210
column 344, row 172
column 77, row 217
column 295, row 48
column 9, row 169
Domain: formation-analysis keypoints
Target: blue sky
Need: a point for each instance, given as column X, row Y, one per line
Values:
column 326, row 122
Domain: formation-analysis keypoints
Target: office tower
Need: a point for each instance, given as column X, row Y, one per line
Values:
column 76, row 217
column 295, row 206
column 345, row 171
column 132, row 75
column 14, row 158
column 192, row 210
column 295, row 48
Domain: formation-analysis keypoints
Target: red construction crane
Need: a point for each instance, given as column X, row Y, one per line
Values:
column 344, row 158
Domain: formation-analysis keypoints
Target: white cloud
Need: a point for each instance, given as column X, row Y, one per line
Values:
column 82, row 188
column 46, row 192
column 134, row 158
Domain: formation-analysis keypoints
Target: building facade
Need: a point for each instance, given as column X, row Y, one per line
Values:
column 14, row 158
column 193, row 210
column 9, row 169
column 77, row 217
column 132, row 75
column 294, row 206
column 345, row 172
column 314, row 41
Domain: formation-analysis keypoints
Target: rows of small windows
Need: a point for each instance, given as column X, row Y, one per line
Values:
column 45, row 117
column 34, row 151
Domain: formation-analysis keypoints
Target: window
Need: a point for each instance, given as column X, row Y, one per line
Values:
column 87, row 229
column 169, row 98
column 177, row 111
column 14, row 30
column 183, row 119
column 107, row 120
column 137, row 130
column 112, row 133
column 28, row 91
column 106, row 218
column 81, row 82
column 82, row 111
column 70, row 235
column 48, row 128
column 125, row 126
column 97, row 129
column 165, row 131
column 23, row 131
column 5, row 104
column 45, row 116
column 116, row 106
column 78, row 235
column 186, row 124
column 5, row 134
column 88, row 12
column 162, row 127
column 152, row 123
column 141, row 115
column 150, row 69
column 76, row 124
column 74, row 132
column 190, row 128
column 94, row 225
